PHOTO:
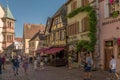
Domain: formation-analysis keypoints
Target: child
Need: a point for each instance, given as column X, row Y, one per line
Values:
column 41, row 65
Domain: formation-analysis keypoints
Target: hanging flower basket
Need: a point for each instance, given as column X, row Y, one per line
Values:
column 115, row 14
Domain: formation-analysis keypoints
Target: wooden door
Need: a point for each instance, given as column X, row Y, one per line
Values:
column 108, row 53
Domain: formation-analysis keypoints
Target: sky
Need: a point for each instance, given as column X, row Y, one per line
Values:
column 31, row 11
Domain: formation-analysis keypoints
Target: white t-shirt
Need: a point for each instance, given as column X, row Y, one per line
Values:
column 113, row 64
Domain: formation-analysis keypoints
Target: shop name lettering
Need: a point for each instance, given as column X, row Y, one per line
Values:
column 111, row 21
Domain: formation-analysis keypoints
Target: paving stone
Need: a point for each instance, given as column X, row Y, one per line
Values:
column 51, row 73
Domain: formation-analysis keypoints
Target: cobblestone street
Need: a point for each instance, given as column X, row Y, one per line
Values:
column 50, row 73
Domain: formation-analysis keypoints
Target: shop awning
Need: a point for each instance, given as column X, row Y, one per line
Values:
column 53, row 50
column 41, row 50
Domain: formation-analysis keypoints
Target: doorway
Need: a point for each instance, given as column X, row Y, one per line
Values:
column 108, row 51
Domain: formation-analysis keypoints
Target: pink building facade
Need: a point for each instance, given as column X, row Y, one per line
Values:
column 109, row 32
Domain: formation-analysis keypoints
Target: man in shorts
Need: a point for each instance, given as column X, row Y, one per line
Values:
column 88, row 66
column 113, row 68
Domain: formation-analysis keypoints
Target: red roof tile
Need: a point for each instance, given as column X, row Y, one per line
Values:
column 31, row 29
column 18, row 39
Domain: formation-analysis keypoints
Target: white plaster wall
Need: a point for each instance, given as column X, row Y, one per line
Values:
column 18, row 45
column 2, row 13
column 27, row 46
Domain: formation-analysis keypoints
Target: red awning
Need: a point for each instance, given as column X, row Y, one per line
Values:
column 53, row 50
column 118, row 41
column 41, row 50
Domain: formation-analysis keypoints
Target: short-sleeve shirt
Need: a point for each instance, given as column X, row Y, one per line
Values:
column 113, row 64
column 89, row 61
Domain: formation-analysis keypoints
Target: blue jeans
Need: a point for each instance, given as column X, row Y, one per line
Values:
column 15, row 69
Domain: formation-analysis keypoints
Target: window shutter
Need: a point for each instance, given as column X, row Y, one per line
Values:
column 84, row 2
column 106, row 8
column 82, row 22
column 77, row 27
column 73, row 29
column 86, row 23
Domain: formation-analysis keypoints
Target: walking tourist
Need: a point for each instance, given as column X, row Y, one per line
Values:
column 41, row 65
column 88, row 66
column 3, row 61
column 35, row 64
column 25, row 65
column 113, row 68
column 15, row 63
column 0, row 65
column 46, row 60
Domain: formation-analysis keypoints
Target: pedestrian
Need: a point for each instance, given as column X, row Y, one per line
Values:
column 19, row 59
column 25, row 65
column 113, row 68
column 31, row 59
column 38, row 60
column 35, row 64
column 15, row 64
column 46, row 60
column 70, row 62
column 1, row 65
column 88, row 66
column 41, row 64
column 3, row 61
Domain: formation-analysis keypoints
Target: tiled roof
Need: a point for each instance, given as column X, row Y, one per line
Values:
column 48, row 24
column 18, row 39
column 60, row 10
column 31, row 29
column 38, row 36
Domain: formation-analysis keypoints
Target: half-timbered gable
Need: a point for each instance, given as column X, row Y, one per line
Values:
column 57, row 33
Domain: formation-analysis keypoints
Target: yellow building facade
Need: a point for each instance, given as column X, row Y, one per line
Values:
column 77, row 27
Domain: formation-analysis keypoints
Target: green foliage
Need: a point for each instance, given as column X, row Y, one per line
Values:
column 83, row 44
column 115, row 14
column 88, row 45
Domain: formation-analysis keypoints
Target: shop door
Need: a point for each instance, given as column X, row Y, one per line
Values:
column 108, row 53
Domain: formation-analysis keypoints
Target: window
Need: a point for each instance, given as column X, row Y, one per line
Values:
column 85, row 24
column 4, row 38
column 74, row 5
column 73, row 29
column 111, row 6
column 114, row 6
column 63, row 35
column 84, row 2
column 77, row 27
column 60, row 35
column 57, row 36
